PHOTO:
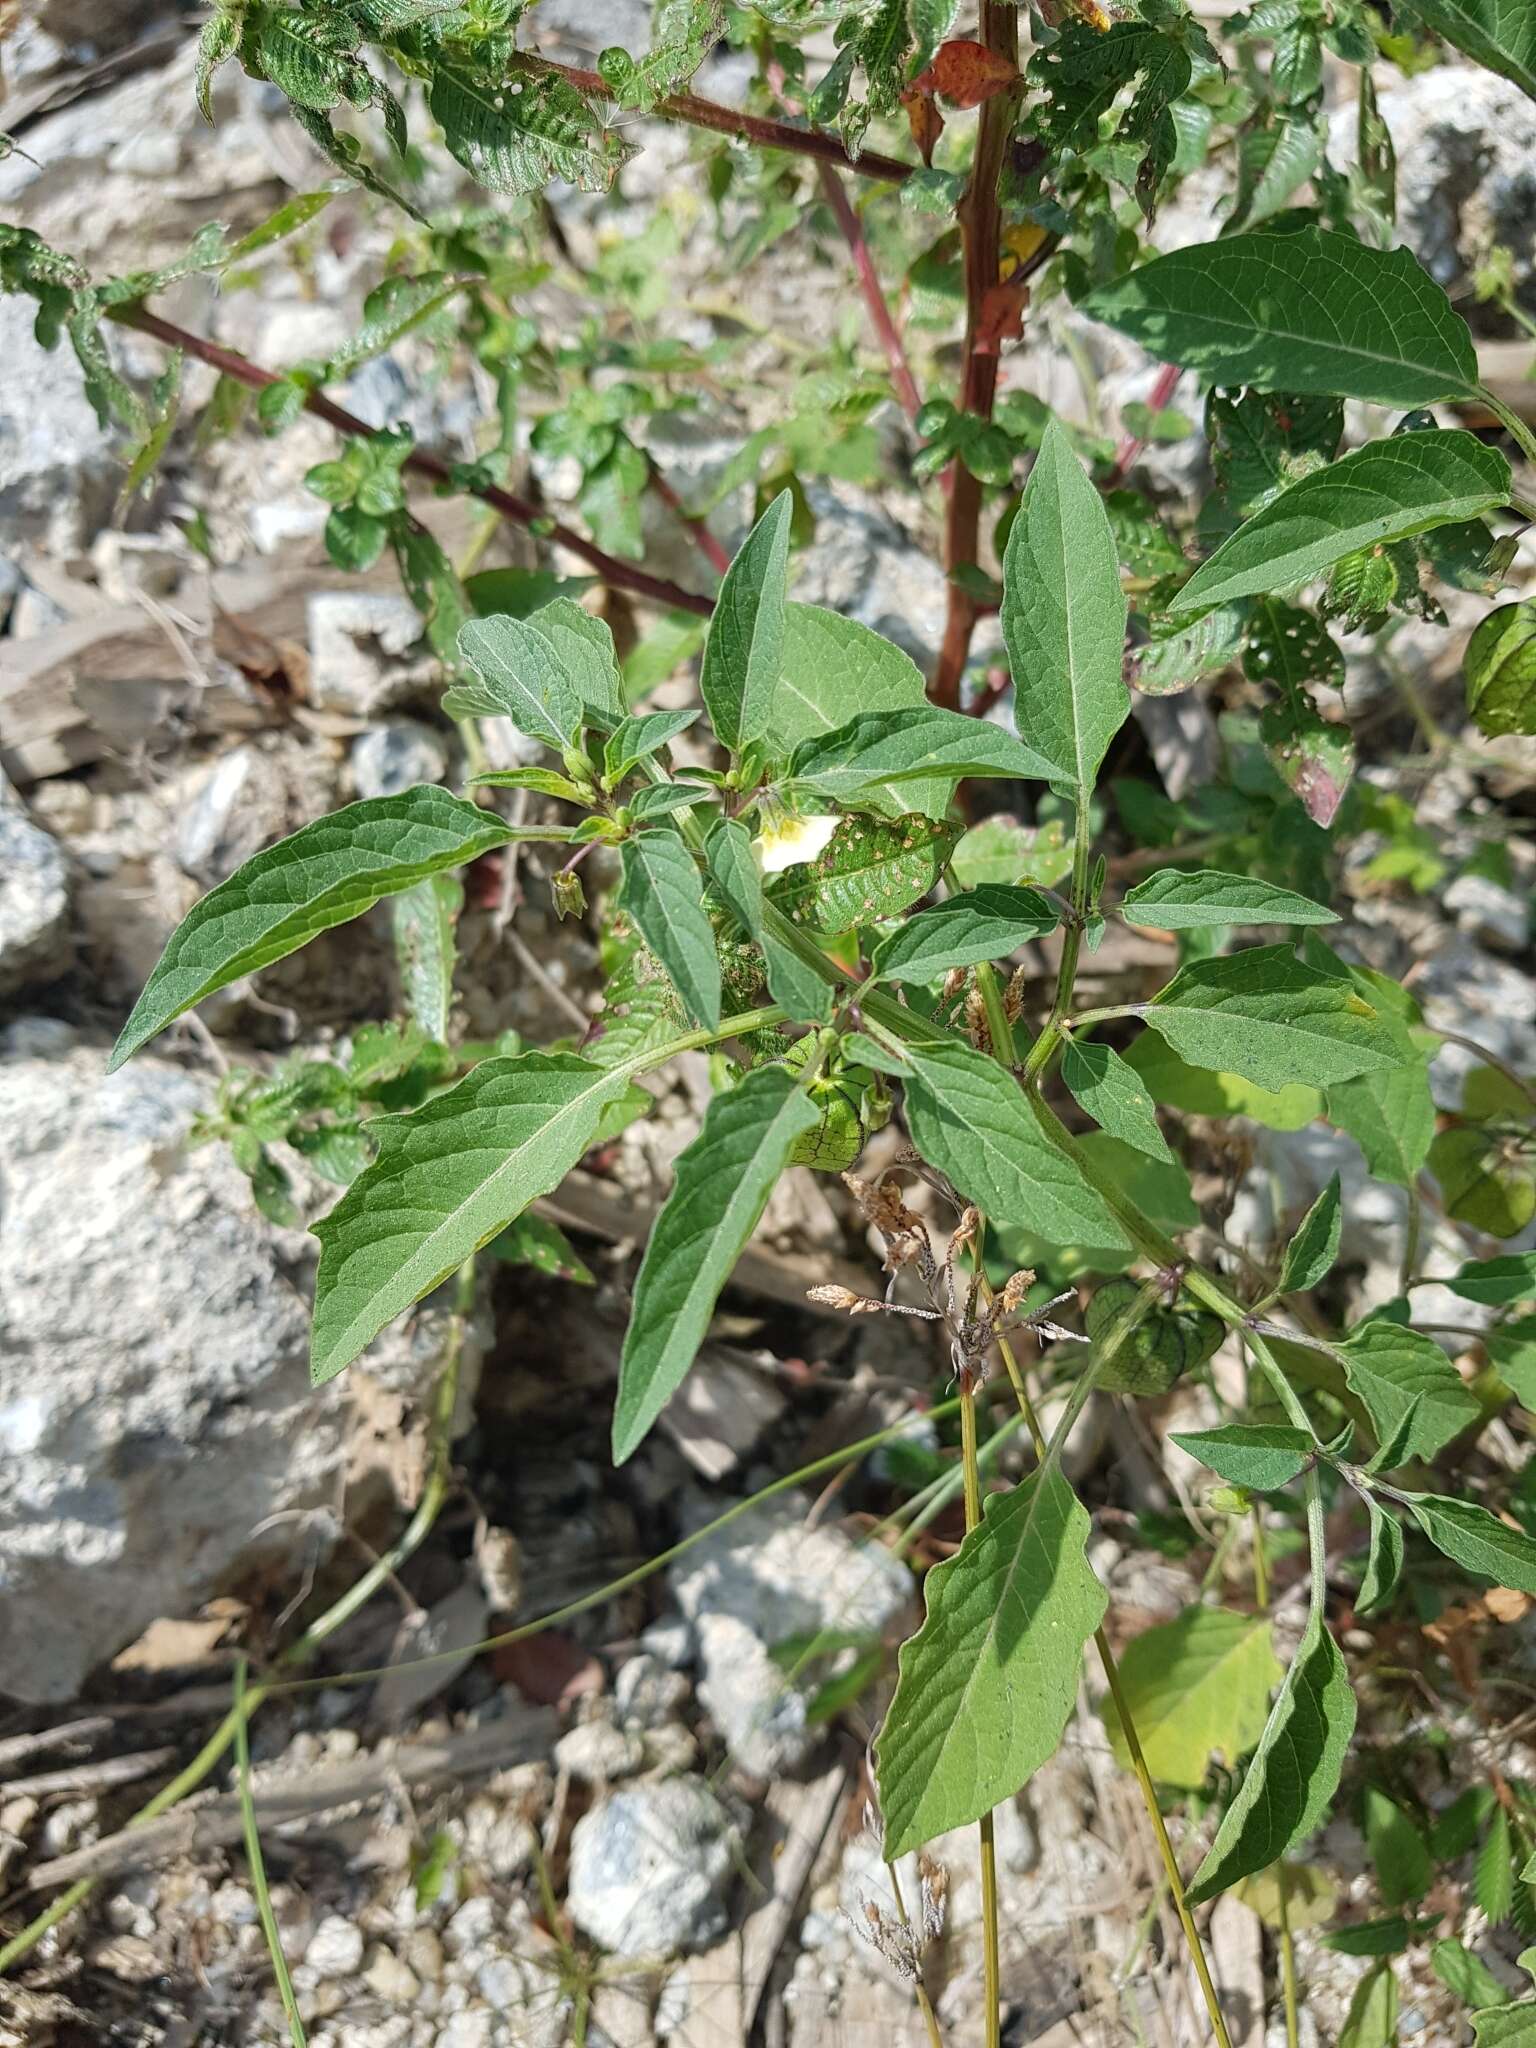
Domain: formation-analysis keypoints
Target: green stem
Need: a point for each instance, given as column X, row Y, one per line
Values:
column 1288, row 1967
column 258, row 1868
column 1512, row 423
column 999, row 1030
column 1072, row 937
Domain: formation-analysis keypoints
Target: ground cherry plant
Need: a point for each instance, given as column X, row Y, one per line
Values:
column 794, row 880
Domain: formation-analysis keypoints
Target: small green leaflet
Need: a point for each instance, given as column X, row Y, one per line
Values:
column 447, row 1178
column 1173, row 900
column 1405, row 1869
column 1510, row 1278
column 870, row 869
column 661, row 799
column 739, row 678
column 988, row 1682
column 802, row 993
column 1197, row 1687
column 1259, row 1456
column 1311, row 1252
column 639, row 737
column 1498, row 33
column 1390, row 1367
column 530, row 1240
column 1114, row 1095
column 1265, row 1016
column 971, row 1120
column 1476, row 1540
column 1371, row 2021
column 1311, row 314
column 1493, row 1875
column 722, row 1183
column 1384, row 1560
column 1500, row 666
column 1295, row 1771
column 879, row 748
column 1063, row 619
column 1466, row 1974
column 833, row 668
column 985, row 924
column 662, row 892
column 1382, row 492
column 322, row 875
column 517, row 675
column 1512, row 1353
column 1505, row 2026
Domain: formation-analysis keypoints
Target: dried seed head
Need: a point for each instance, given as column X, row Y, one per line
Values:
column 933, row 1892
column 1013, row 996
column 965, row 1232
column 1015, row 1288
column 976, row 1021
column 954, row 981
column 843, row 1298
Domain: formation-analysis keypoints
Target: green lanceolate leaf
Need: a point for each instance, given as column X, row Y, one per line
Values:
column 447, row 1178
column 1310, row 313
column 723, row 1181
column 879, row 748
column 1173, row 900
column 802, row 993
column 833, row 668
column 1391, row 1367
column 1197, row 1688
column 1114, row 1095
column 323, row 875
column 1063, row 618
column 1511, row 1278
column 517, row 675
column 1498, row 33
column 1295, row 1770
column 989, row 1680
column 637, row 738
column 1501, row 670
column 1266, row 1016
column 1371, row 2021
column 739, row 678
column 1311, row 1252
column 1384, row 1560
column 1261, row 1456
column 870, row 869
column 662, row 799
column 1476, row 1540
column 662, row 892
column 984, row 924
column 582, row 648
column 970, row 1119
column 1382, row 492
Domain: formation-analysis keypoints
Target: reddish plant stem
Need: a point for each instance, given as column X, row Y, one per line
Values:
column 981, row 241
column 682, row 106
column 617, row 575
column 1130, row 448
column 707, row 545
column 869, row 283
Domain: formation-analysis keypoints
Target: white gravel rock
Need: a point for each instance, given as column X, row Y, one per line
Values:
column 1489, row 912
column 34, row 898
column 335, row 1948
column 596, row 1752
column 358, row 644
column 650, row 1868
column 396, row 757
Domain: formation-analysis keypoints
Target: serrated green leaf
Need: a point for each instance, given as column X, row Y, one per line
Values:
column 1500, row 667
column 831, row 669
column 1113, row 1094
column 1405, row 1870
column 802, row 993
column 1063, row 618
column 662, row 892
column 322, row 875
column 1511, row 1278
column 637, row 738
column 1311, row 313
column 869, row 870
column 1384, row 1560
column 988, row 1682
column 1197, row 1688
column 581, row 646
column 447, row 1178
column 1476, row 1540
column 1260, row 1456
column 682, row 34
column 1493, row 1875
column 1266, row 1016
column 1310, row 1255
column 1175, row 899
column 1498, row 33
column 517, row 675
column 518, row 130
column 424, row 919
column 1179, row 1085
column 1371, row 2021
column 879, row 748
column 983, row 924
column 1466, row 1975
column 1295, row 1771
column 1382, row 492
column 1390, row 1367
column 723, row 1181
column 739, row 677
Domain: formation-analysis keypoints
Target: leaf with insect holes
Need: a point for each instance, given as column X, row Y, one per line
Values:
column 1390, row 1367
column 1063, row 618
column 1311, row 1252
column 662, row 893
column 739, row 678
column 723, row 1181
column 1259, row 1456
column 1476, row 1540
column 833, row 668
column 1175, row 899
column 323, row 875
column 983, row 924
column 869, row 870
column 447, row 1178
column 802, row 993
column 1197, row 1688
column 1114, row 1095
column 1385, row 491
column 1384, row 1560
column 1295, row 1770
column 518, row 130
column 682, row 34
column 1311, row 313
column 986, row 1686
column 1085, row 72
column 876, row 748
column 1264, row 1015
column 1511, row 1278
column 1500, row 34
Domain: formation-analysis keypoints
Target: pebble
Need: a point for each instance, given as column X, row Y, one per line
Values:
column 650, row 1868
column 396, row 757
column 597, row 1752
column 391, row 1979
column 335, row 1948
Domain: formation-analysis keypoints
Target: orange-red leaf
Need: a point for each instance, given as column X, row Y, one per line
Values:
column 1000, row 316
column 923, row 115
column 966, row 73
